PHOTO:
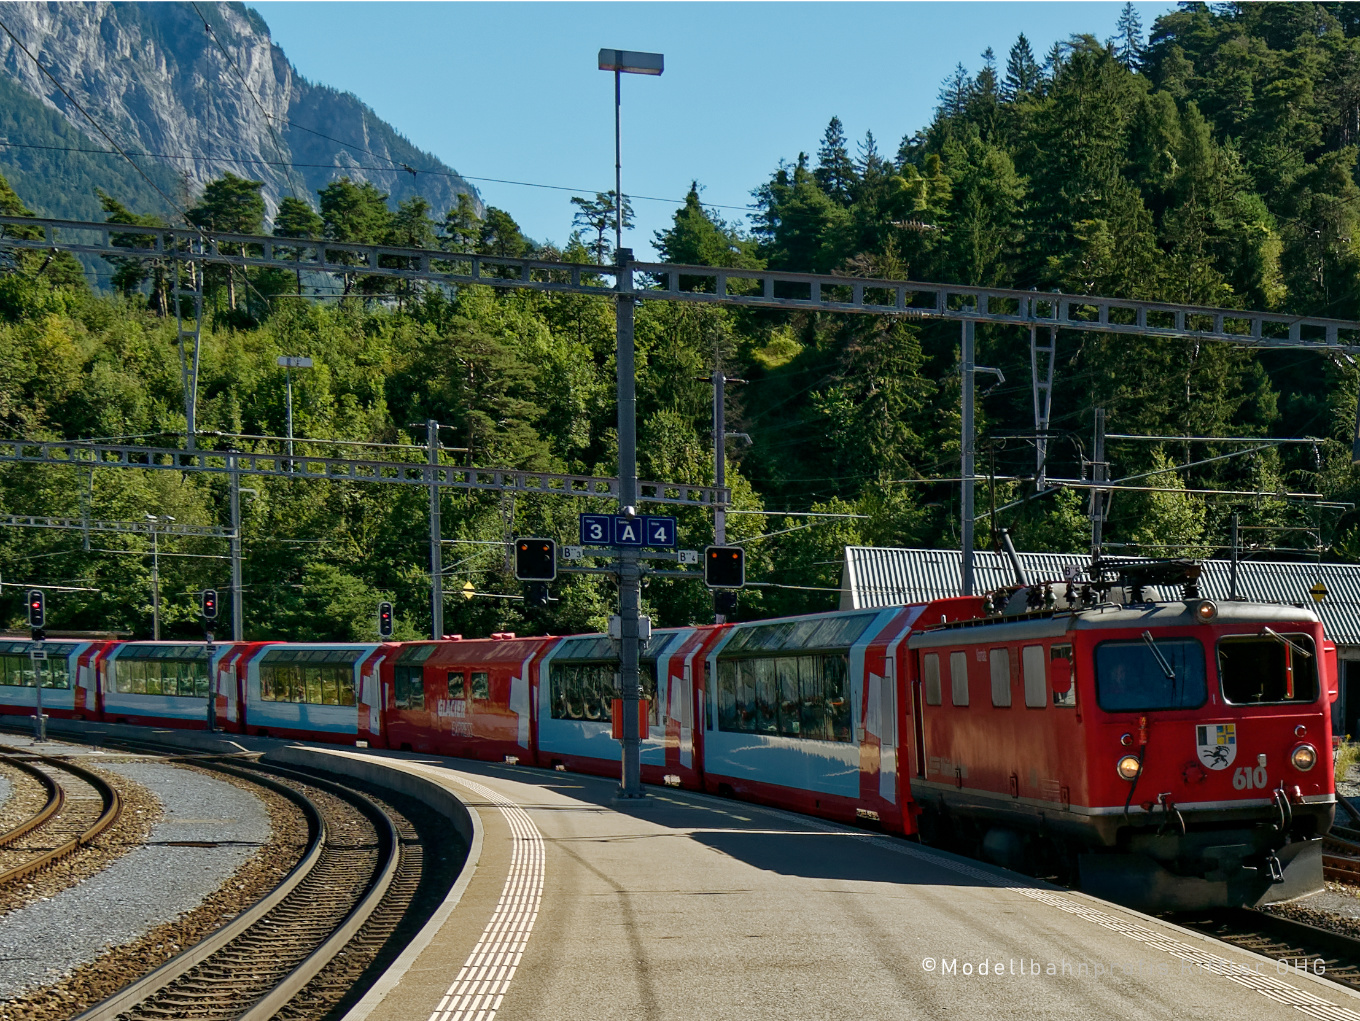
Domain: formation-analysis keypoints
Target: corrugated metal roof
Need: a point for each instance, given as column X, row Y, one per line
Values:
column 874, row 576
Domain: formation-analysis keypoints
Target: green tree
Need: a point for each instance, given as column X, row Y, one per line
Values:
column 696, row 237
column 129, row 273
column 835, row 173
column 354, row 213
column 229, row 205
column 462, row 225
column 1023, row 74
column 597, row 217
column 296, row 219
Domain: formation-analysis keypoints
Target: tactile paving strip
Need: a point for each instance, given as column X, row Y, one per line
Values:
column 481, row 984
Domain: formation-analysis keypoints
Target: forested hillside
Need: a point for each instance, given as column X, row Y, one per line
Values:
column 1211, row 161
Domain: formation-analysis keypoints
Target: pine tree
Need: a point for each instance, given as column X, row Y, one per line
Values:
column 1023, row 74
column 598, row 216
column 354, row 213
column 954, row 92
column 296, row 219
column 870, row 164
column 130, row 273
column 462, row 225
column 1129, row 37
column 230, row 205
column 698, row 238
column 835, row 172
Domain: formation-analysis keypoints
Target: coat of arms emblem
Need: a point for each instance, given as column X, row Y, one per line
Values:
column 1216, row 744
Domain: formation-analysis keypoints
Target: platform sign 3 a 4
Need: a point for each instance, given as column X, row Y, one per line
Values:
column 620, row 530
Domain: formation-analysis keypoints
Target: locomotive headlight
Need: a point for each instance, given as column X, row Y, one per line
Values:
column 1304, row 757
column 1128, row 767
column 1206, row 610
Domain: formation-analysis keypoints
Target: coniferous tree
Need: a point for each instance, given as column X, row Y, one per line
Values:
column 1129, row 37
column 130, row 273
column 954, row 92
column 698, row 238
column 230, row 205
column 598, row 216
column 296, row 219
column 835, row 171
column 462, row 225
column 355, row 213
column 1023, row 74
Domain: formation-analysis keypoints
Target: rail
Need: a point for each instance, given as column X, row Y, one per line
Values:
column 112, row 808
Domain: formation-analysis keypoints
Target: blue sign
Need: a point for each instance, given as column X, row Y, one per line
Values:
column 659, row 531
column 597, row 529
column 628, row 531
column 617, row 530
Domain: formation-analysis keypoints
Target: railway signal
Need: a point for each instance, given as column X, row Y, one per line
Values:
column 535, row 559
column 724, row 567
column 37, row 611
column 385, row 620
column 208, row 603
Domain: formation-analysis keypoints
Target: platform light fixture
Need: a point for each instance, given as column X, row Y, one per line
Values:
column 623, row 62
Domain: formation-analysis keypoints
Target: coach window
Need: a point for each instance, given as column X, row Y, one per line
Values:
column 16, row 668
column 1268, row 668
column 1150, row 674
column 457, row 684
column 1000, row 662
column 930, row 667
column 481, row 685
column 958, row 677
column 1036, row 683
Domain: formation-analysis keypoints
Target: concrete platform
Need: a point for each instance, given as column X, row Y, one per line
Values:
column 576, row 905
column 686, row 906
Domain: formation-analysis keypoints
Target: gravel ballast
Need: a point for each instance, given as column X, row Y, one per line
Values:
column 151, row 885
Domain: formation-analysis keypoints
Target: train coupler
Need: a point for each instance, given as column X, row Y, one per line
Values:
column 1275, row 869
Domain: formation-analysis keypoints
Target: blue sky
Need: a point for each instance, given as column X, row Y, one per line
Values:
column 511, row 90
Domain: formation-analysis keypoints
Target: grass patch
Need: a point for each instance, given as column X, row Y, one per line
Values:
column 1347, row 755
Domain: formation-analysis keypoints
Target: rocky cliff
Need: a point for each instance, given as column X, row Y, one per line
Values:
column 189, row 101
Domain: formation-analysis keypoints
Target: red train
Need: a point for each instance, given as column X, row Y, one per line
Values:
column 1168, row 753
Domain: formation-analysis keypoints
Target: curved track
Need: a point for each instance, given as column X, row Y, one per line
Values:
column 80, row 806
column 253, row 967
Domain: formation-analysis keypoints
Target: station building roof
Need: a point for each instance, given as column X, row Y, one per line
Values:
column 874, row 576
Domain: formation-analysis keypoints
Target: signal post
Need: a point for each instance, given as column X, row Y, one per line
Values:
column 37, row 619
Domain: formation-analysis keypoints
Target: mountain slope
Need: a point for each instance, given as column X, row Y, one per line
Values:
column 159, row 82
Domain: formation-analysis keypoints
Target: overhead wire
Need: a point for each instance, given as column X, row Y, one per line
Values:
column 246, row 160
column 259, row 104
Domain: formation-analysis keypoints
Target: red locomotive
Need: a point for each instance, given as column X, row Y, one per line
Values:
column 1164, row 752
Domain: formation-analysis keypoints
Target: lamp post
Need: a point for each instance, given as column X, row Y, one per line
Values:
column 156, row 573
column 623, row 62
column 288, row 363
column 630, row 577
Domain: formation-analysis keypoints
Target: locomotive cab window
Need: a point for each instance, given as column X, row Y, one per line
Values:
column 481, row 685
column 1000, row 663
column 1036, row 683
column 1268, row 668
column 930, row 667
column 457, row 684
column 958, row 678
column 1150, row 674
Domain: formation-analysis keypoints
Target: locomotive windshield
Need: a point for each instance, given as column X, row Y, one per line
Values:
column 1268, row 668
column 1146, row 675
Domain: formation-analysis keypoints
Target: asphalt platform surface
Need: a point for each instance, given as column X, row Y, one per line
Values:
column 689, row 906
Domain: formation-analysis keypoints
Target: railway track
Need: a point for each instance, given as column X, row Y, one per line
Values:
column 80, row 805
column 1322, row 952
column 310, row 947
